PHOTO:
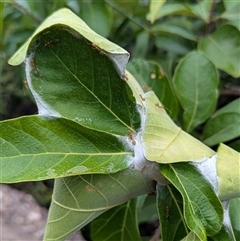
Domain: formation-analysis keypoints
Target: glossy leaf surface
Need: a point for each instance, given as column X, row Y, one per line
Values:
column 195, row 82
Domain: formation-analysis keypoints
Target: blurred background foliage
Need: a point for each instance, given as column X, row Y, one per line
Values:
column 158, row 36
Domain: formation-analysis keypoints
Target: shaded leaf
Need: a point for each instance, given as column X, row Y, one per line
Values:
column 168, row 28
column 234, row 213
column 164, row 141
column 141, row 45
column 222, row 48
column 203, row 9
column 78, row 200
column 228, row 166
column 151, row 77
column 195, row 82
column 191, row 237
column 116, row 224
column 69, row 78
column 173, row 44
column 203, row 211
column 174, row 8
column 92, row 12
column 39, row 148
column 170, row 210
column 223, row 125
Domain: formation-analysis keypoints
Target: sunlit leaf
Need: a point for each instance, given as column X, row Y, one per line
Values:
column 203, row 211
column 223, row 125
column 116, row 224
column 195, row 82
column 155, row 6
column 223, row 49
column 78, row 200
column 164, row 141
column 38, row 148
column 228, row 166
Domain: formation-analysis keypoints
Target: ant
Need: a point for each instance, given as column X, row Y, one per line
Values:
column 124, row 77
column 49, row 43
column 131, row 137
column 143, row 99
column 90, row 189
column 159, row 106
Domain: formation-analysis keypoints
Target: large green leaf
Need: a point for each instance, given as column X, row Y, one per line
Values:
column 39, row 148
column 228, row 166
column 117, row 224
column 223, row 49
column 195, row 82
column 151, row 77
column 203, row 211
column 223, row 125
column 170, row 210
column 78, row 200
column 70, row 78
column 163, row 140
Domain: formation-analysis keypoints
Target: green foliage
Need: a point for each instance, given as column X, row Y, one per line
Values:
column 101, row 131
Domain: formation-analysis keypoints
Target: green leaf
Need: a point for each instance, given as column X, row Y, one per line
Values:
column 68, row 19
column 151, row 77
column 195, row 82
column 141, row 46
column 230, row 4
column 154, row 8
column 97, row 15
column 170, row 210
column 78, row 200
column 222, row 48
column 168, row 28
column 174, row 8
column 71, row 79
column 191, row 237
column 234, row 213
column 203, row 211
column 228, row 166
column 163, row 141
column 232, row 13
column 116, row 224
column 173, row 44
column 203, row 9
column 39, row 148
column 223, row 125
